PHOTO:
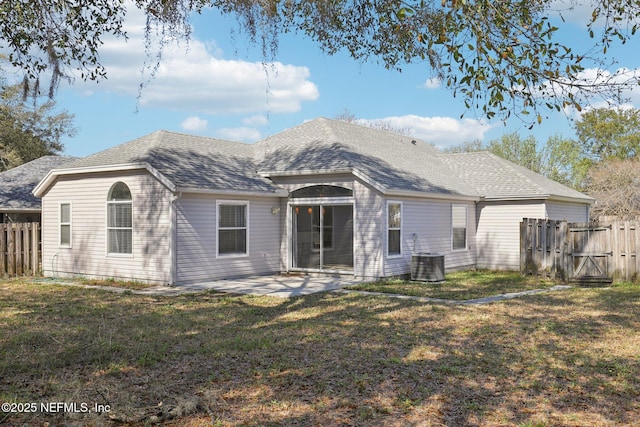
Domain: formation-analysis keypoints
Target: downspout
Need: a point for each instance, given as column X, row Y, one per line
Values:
column 173, row 241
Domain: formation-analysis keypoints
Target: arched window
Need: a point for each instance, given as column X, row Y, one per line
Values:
column 321, row 191
column 119, row 220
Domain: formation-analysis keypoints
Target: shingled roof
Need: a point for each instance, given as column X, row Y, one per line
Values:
column 496, row 178
column 189, row 162
column 391, row 162
column 16, row 184
column 394, row 162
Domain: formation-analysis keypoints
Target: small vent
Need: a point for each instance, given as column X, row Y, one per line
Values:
column 427, row 267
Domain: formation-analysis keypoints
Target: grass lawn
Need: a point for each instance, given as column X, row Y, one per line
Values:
column 460, row 285
column 569, row 358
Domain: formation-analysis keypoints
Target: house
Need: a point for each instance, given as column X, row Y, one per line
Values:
column 323, row 197
column 17, row 202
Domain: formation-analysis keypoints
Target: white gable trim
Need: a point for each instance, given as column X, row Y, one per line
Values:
column 48, row 180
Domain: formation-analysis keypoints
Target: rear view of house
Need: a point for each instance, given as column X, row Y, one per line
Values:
column 323, row 197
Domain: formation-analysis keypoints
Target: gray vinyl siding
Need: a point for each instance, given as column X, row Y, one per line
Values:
column 87, row 256
column 197, row 258
column 498, row 235
column 430, row 222
column 572, row 212
column 369, row 224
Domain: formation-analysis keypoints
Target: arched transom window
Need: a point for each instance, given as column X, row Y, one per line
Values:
column 119, row 220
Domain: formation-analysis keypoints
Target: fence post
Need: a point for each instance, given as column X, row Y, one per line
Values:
column 565, row 259
column 35, row 245
column 3, row 245
column 615, row 242
column 18, row 230
column 11, row 250
column 26, row 247
column 636, row 236
column 523, row 246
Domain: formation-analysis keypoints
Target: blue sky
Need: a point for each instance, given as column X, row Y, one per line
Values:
column 219, row 87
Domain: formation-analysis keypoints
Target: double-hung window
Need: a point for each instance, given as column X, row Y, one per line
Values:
column 233, row 228
column 119, row 220
column 394, row 228
column 458, row 227
column 65, row 225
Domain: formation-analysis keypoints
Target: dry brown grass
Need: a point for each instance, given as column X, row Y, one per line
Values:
column 460, row 285
column 568, row 358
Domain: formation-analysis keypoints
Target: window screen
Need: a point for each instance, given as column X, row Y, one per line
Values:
column 232, row 229
column 394, row 222
column 458, row 227
column 119, row 220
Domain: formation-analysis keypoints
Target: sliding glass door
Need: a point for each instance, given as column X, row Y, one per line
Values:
column 322, row 237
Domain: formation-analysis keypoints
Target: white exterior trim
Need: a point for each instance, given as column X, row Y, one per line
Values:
column 466, row 227
column 386, row 229
column 48, row 180
column 60, row 224
column 106, row 222
column 540, row 197
column 243, row 193
column 246, row 204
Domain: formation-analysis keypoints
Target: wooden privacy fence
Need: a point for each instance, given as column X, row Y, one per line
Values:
column 19, row 249
column 602, row 251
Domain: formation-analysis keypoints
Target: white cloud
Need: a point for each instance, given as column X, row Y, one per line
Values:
column 572, row 11
column 257, row 120
column 622, row 82
column 195, row 77
column 432, row 83
column 239, row 134
column 440, row 131
column 194, row 123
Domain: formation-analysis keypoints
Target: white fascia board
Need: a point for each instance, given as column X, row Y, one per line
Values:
column 48, row 180
column 337, row 171
column 367, row 179
column 241, row 193
column 431, row 195
column 303, row 172
column 584, row 200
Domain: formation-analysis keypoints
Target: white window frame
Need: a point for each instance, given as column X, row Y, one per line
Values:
column 65, row 224
column 108, row 228
column 466, row 227
column 324, row 231
column 246, row 205
column 388, row 228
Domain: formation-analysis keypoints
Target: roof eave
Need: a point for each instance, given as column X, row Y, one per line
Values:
column 240, row 193
column 48, row 180
column 297, row 172
column 335, row 171
column 431, row 195
column 552, row 197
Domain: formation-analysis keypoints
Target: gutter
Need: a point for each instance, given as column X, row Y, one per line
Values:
column 552, row 197
column 244, row 193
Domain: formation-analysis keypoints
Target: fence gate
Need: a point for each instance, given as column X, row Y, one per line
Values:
column 603, row 251
column 590, row 252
